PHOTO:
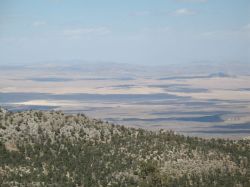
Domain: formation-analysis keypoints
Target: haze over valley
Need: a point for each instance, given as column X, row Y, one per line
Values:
column 198, row 99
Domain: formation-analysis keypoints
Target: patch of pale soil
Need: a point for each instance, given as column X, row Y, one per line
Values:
column 11, row 146
column 218, row 94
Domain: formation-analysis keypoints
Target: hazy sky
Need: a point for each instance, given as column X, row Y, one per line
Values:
column 127, row 31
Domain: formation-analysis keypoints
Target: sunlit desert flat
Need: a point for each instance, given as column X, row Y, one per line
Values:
column 209, row 104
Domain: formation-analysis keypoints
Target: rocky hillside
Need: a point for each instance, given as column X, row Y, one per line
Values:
column 54, row 149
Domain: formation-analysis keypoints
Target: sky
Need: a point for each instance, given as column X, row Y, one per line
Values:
column 148, row 32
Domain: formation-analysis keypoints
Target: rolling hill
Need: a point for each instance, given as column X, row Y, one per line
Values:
column 50, row 148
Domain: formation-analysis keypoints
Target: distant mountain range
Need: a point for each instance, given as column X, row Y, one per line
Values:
column 110, row 68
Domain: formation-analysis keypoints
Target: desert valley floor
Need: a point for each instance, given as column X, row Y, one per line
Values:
column 214, row 102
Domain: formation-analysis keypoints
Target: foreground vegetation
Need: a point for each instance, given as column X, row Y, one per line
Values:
column 54, row 149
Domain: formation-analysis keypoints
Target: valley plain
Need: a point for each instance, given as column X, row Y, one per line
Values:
column 199, row 99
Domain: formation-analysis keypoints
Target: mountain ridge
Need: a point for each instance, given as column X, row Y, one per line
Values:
column 50, row 148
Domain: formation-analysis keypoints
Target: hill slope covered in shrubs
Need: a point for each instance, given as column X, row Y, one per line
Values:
column 49, row 148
